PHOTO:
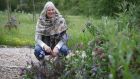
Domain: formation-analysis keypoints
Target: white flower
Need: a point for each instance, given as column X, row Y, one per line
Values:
column 110, row 56
column 70, row 55
column 93, row 53
column 110, row 76
column 84, row 54
column 29, row 66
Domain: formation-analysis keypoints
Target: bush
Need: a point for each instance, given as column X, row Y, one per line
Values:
column 120, row 44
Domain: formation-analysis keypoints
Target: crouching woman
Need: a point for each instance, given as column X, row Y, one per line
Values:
column 50, row 36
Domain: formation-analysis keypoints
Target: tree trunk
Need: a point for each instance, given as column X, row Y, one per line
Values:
column 34, row 14
column 8, row 10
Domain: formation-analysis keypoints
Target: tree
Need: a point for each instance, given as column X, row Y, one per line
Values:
column 34, row 14
column 8, row 9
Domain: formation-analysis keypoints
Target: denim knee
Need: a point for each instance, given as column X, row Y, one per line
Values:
column 64, row 50
column 39, row 52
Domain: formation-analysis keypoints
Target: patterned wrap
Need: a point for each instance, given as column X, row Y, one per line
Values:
column 49, row 27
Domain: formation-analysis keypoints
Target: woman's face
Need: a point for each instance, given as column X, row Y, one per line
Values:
column 50, row 12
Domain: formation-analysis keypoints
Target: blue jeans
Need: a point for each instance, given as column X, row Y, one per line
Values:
column 40, row 53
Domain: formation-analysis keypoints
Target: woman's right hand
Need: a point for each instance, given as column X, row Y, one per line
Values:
column 47, row 49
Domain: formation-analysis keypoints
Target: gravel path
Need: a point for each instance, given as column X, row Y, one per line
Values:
column 11, row 59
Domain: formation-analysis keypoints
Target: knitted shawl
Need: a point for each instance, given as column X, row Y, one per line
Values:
column 48, row 27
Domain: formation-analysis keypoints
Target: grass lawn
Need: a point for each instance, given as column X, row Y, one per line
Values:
column 24, row 35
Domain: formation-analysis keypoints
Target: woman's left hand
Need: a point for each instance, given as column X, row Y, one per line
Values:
column 55, row 51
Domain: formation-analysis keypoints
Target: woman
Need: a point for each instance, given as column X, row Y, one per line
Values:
column 50, row 34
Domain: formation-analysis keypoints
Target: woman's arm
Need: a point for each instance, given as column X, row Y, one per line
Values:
column 64, row 38
column 38, row 39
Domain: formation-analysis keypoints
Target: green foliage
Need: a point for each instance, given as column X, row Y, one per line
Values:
column 76, row 32
column 112, row 54
column 121, row 38
column 74, row 7
column 77, row 66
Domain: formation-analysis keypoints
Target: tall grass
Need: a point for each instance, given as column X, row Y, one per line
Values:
column 25, row 33
column 76, row 30
column 113, row 53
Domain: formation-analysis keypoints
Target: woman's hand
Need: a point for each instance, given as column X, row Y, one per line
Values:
column 55, row 51
column 47, row 49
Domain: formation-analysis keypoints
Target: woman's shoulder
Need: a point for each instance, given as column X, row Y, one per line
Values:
column 59, row 16
column 42, row 18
